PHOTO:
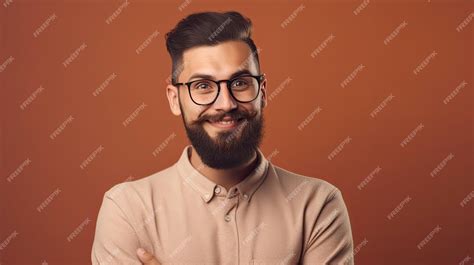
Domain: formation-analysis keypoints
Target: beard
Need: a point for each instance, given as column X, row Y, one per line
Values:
column 230, row 148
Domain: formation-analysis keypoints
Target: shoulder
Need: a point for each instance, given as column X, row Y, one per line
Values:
column 301, row 187
column 141, row 191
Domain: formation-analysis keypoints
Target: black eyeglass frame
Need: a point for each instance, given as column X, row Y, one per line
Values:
column 259, row 78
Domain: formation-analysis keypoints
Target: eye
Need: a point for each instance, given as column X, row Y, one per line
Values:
column 202, row 85
column 239, row 82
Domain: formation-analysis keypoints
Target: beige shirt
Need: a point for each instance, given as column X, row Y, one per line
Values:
column 272, row 217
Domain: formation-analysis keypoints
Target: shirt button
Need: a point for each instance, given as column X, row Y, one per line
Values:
column 227, row 218
column 246, row 197
column 217, row 190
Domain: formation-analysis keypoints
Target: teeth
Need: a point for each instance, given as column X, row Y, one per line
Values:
column 226, row 122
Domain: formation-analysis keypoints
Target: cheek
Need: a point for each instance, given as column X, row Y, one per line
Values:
column 190, row 111
column 190, row 116
column 253, row 107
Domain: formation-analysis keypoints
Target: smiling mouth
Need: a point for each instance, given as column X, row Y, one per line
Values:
column 226, row 124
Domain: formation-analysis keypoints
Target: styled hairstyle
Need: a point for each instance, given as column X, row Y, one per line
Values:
column 207, row 29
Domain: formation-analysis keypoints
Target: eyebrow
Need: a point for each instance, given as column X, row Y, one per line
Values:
column 206, row 76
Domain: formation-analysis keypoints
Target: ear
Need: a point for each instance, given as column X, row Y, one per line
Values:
column 173, row 99
column 264, row 93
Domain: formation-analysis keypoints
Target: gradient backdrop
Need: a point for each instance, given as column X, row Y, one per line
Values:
column 372, row 96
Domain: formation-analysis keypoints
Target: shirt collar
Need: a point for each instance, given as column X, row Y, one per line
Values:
column 205, row 187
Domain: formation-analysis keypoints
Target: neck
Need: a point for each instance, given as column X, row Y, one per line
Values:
column 223, row 177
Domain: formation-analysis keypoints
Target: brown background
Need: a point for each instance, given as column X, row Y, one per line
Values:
column 141, row 78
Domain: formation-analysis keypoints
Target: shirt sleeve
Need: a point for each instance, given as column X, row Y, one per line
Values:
column 115, row 240
column 331, row 237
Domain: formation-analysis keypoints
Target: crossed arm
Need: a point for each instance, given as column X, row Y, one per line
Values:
column 116, row 242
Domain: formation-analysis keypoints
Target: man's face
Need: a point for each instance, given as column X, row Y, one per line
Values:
column 221, row 145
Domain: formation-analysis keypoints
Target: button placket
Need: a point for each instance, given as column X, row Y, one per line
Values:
column 231, row 205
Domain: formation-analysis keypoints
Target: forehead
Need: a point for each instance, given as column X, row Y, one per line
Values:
column 219, row 61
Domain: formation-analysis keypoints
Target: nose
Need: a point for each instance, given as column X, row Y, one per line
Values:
column 225, row 101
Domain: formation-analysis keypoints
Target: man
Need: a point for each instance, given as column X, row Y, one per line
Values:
column 222, row 202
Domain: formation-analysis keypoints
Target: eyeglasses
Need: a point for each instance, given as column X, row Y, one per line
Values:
column 244, row 89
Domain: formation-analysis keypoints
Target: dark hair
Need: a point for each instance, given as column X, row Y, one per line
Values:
column 207, row 29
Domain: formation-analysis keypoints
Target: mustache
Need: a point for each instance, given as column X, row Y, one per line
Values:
column 235, row 115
